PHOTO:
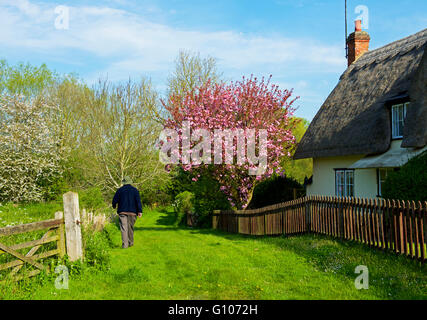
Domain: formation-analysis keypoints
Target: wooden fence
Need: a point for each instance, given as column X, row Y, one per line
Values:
column 64, row 230
column 398, row 226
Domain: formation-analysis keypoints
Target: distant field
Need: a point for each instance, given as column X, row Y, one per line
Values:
column 181, row 263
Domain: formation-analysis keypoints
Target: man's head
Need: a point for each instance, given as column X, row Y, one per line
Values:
column 127, row 180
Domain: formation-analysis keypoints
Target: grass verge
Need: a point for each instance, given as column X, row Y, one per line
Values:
column 169, row 262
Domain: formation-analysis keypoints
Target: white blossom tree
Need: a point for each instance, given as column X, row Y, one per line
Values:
column 30, row 148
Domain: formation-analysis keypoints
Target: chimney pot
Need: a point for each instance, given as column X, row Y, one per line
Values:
column 358, row 25
column 357, row 43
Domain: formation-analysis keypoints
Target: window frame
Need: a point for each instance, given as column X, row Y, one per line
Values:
column 395, row 122
column 345, row 171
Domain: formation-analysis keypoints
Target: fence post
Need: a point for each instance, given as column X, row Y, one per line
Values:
column 73, row 230
column 61, row 231
column 265, row 224
column 307, row 213
column 189, row 219
column 238, row 224
column 341, row 206
column 215, row 219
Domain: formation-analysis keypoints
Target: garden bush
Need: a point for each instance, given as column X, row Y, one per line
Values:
column 207, row 198
column 275, row 190
column 408, row 183
column 91, row 198
column 97, row 245
column 207, row 195
column 183, row 205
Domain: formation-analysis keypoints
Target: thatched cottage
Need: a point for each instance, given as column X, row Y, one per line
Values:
column 374, row 120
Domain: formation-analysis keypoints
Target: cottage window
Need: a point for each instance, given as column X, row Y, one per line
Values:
column 398, row 114
column 344, row 183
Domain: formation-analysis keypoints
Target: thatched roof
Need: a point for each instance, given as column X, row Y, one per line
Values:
column 355, row 118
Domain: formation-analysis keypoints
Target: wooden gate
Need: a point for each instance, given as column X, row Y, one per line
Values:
column 65, row 233
column 54, row 233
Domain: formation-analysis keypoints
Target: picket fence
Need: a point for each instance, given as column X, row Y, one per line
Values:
column 392, row 225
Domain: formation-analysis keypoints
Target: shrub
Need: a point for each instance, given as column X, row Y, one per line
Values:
column 180, row 181
column 275, row 190
column 207, row 198
column 91, row 198
column 97, row 245
column 207, row 195
column 183, row 205
column 54, row 188
column 154, row 196
column 31, row 152
column 408, row 183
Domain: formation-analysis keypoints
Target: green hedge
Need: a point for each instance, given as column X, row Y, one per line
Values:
column 183, row 205
column 408, row 183
column 275, row 190
column 207, row 195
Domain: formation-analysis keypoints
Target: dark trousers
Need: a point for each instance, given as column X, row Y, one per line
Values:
column 127, row 223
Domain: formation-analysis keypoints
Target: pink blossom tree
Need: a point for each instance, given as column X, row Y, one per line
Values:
column 237, row 107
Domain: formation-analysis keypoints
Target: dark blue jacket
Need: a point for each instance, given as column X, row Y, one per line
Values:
column 128, row 199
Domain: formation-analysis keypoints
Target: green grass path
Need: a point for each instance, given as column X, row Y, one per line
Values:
column 181, row 263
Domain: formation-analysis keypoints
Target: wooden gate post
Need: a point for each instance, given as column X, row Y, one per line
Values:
column 61, row 231
column 215, row 219
column 73, row 230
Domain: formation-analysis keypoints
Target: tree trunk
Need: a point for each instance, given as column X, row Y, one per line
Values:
column 251, row 194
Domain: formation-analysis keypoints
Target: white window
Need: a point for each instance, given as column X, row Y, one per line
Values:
column 398, row 115
column 344, row 183
column 382, row 176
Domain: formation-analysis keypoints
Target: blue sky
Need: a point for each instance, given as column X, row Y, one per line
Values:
column 299, row 42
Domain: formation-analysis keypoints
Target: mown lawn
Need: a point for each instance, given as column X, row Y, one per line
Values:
column 181, row 263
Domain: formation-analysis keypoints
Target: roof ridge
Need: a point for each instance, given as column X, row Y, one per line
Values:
column 404, row 44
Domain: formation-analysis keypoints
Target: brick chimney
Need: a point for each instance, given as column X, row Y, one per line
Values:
column 358, row 43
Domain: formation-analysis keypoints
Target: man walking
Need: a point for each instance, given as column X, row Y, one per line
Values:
column 129, row 207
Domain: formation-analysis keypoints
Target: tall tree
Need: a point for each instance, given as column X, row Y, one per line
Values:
column 25, row 80
column 246, row 106
column 120, row 134
column 30, row 148
column 191, row 71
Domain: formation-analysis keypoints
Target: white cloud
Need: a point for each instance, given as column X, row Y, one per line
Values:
column 24, row 6
column 127, row 44
column 135, row 43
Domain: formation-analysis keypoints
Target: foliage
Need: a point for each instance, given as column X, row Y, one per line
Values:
column 155, row 195
column 408, row 183
column 91, row 198
column 298, row 169
column 183, row 205
column 180, row 181
column 248, row 104
column 120, row 136
column 207, row 194
column 97, row 247
column 103, row 133
column 24, row 79
column 31, row 151
column 55, row 186
column 274, row 190
column 111, row 132
column 207, row 198
column 191, row 71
